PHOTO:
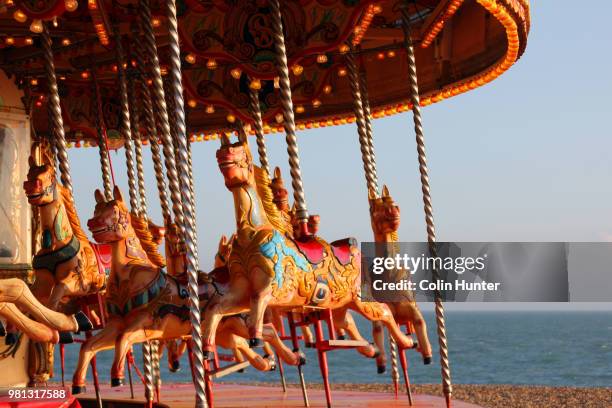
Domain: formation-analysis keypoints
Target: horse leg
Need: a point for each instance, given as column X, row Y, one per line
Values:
column 378, row 334
column 237, row 326
column 344, row 320
column 132, row 333
column 379, row 312
column 16, row 291
column 35, row 331
column 420, row 328
column 57, row 293
column 261, row 286
column 233, row 302
column 231, row 341
column 103, row 340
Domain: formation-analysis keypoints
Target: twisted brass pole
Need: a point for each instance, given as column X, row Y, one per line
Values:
column 135, row 126
column 126, row 131
column 55, row 109
column 288, row 115
column 102, row 148
column 188, row 208
column 150, row 125
column 367, row 115
column 429, row 220
column 255, row 111
column 366, row 156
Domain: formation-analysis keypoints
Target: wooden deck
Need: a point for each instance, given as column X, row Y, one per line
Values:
column 232, row 396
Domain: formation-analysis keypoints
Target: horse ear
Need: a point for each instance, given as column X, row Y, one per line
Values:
column 385, row 191
column 223, row 241
column 117, row 194
column 225, row 140
column 277, row 173
column 99, row 197
column 371, row 194
column 31, row 161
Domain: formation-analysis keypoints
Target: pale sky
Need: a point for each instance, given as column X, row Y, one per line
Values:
column 525, row 158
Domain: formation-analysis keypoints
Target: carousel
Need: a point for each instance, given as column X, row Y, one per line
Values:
column 160, row 74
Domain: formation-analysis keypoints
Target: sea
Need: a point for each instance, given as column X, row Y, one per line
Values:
column 556, row 348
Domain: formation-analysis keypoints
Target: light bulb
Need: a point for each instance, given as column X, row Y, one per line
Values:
column 190, row 58
column 297, row 69
column 20, row 16
column 255, row 84
column 211, row 64
column 36, row 26
column 71, row 5
column 236, row 73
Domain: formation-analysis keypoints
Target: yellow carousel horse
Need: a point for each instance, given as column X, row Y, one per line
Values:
column 268, row 268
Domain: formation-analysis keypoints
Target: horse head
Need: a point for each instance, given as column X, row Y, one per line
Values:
column 40, row 184
column 281, row 196
column 223, row 251
column 111, row 219
column 384, row 213
column 236, row 162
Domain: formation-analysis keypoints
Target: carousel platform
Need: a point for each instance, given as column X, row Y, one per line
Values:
column 235, row 395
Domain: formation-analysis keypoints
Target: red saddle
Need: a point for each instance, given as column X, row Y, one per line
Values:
column 314, row 251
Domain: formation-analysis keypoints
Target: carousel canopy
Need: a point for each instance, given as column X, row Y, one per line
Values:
column 228, row 49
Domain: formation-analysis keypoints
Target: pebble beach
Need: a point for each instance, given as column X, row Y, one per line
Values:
column 504, row 396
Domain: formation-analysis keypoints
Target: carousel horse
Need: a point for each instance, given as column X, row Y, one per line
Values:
column 143, row 302
column 268, row 268
column 385, row 218
column 342, row 323
column 175, row 258
column 67, row 264
column 47, row 326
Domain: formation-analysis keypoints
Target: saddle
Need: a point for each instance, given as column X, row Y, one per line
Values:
column 314, row 250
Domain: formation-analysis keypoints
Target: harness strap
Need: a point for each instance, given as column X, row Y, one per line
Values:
column 139, row 299
column 51, row 260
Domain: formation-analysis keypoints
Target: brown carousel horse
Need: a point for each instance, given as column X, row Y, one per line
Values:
column 143, row 302
column 268, row 268
column 385, row 218
column 66, row 265
column 15, row 298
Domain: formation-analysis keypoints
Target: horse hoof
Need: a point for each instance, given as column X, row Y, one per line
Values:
column 427, row 360
column 11, row 338
column 310, row 345
column 78, row 389
column 255, row 342
column 2, row 330
column 381, row 369
column 208, row 354
column 342, row 337
column 415, row 345
column 272, row 364
column 301, row 358
column 65, row 338
column 176, row 366
column 116, row 382
column 240, row 371
column 83, row 322
column 376, row 350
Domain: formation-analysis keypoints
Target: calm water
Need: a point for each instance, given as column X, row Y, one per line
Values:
column 548, row 348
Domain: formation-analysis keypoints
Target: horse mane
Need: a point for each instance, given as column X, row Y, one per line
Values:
column 73, row 217
column 262, row 182
column 141, row 228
